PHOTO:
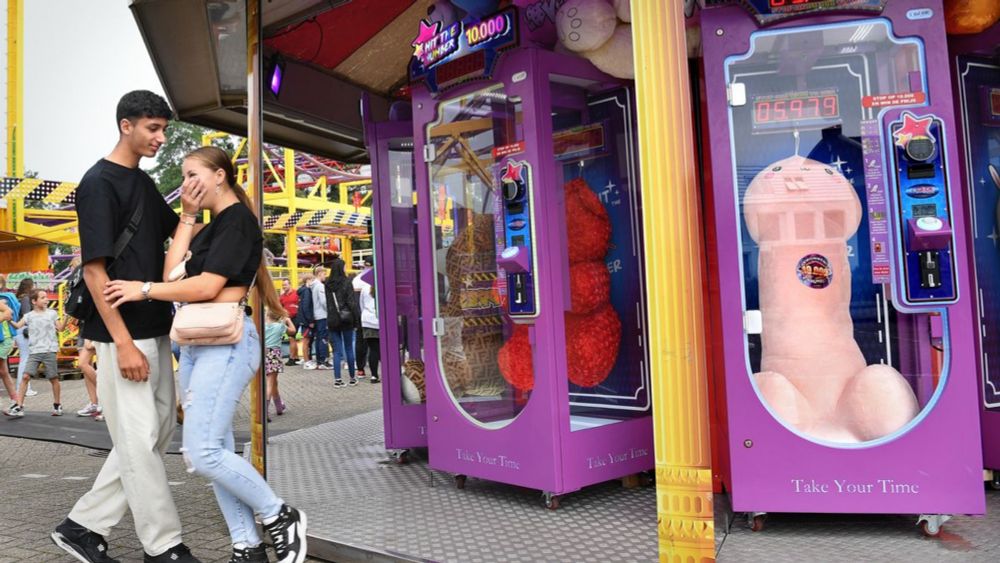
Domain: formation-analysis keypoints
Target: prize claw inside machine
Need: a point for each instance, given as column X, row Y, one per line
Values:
column 847, row 342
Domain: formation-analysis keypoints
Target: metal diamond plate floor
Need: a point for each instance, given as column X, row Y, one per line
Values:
column 339, row 474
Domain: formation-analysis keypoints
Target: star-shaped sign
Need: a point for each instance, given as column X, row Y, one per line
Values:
column 427, row 32
column 912, row 128
column 512, row 173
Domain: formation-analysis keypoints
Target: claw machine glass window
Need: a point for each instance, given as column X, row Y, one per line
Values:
column 407, row 269
column 830, row 354
column 593, row 145
column 469, row 288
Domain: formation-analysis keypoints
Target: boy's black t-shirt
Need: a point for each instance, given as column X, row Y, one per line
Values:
column 105, row 200
column 231, row 246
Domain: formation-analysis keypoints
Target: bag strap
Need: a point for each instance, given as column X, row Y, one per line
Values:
column 243, row 302
column 130, row 230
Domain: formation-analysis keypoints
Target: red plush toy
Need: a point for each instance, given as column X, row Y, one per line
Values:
column 593, row 330
column 589, row 286
column 586, row 222
column 592, row 345
column 514, row 360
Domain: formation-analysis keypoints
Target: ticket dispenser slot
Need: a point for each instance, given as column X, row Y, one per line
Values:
column 927, row 246
column 516, row 259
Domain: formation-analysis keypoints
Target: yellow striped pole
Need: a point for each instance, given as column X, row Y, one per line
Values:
column 672, row 230
column 15, row 80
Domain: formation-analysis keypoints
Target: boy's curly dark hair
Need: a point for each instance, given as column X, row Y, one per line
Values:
column 142, row 103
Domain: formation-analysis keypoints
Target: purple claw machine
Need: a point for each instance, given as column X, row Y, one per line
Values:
column 533, row 302
column 847, row 335
column 390, row 145
column 976, row 65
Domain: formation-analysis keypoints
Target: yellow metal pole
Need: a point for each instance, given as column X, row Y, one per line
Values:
column 672, row 230
column 255, row 178
column 291, row 240
column 15, row 81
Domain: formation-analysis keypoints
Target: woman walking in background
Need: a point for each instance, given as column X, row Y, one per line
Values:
column 340, row 319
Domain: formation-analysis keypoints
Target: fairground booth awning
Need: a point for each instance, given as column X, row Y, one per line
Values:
column 325, row 52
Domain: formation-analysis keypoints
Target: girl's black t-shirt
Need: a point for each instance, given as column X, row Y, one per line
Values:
column 231, row 246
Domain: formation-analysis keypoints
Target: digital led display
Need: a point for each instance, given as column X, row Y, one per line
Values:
column 796, row 107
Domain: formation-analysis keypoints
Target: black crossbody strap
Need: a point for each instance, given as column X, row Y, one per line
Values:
column 130, row 229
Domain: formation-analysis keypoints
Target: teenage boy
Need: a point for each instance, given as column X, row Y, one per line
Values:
column 135, row 374
column 43, row 325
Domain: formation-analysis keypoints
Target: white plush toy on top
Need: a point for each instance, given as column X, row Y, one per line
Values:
column 598, row 31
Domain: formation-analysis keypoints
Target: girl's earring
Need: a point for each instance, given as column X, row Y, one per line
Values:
column 218, row 189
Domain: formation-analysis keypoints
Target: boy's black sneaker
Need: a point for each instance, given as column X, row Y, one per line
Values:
column 256, row 554
column 353, row 382
column 338, row 383
column 288, row 533
column 82, row 544
column 177, row 554
column 374, row 379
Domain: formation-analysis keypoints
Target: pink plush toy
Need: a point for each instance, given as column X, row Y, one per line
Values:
column 813, row 375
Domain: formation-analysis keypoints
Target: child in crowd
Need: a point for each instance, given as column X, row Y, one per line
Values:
column 43, row 325
column 7, row 335
column 274, row 329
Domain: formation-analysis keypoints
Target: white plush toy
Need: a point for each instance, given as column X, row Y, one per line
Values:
column 584, row 25
column 599, row 32
column 615, row 56
column 624, row 10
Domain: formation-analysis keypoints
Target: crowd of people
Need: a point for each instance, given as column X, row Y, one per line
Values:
column 332, row 310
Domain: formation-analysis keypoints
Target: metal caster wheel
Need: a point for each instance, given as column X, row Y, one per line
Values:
column 930, row 524
column 551, row 501
column 459, row 481
column 995, row 482
column 756, row 520
column 400, row 457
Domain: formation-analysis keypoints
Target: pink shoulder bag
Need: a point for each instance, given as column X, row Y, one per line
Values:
column 210, row 324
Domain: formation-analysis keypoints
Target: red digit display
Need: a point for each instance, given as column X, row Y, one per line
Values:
column 786, row 3
column 795, row 107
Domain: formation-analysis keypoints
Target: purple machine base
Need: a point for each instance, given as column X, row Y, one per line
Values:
column 931, row 468
column 537, row 449
column 974, row 70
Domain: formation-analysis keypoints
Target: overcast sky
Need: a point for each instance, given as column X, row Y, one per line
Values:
column 79, row 58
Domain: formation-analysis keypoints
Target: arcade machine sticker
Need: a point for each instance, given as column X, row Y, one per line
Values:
column 878, row 209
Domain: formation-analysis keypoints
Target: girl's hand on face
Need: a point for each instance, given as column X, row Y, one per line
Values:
column 192, row 195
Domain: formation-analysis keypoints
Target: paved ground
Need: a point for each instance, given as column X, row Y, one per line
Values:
column 41, row 480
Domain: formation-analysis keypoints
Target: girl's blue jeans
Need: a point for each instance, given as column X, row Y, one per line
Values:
column 213, row 379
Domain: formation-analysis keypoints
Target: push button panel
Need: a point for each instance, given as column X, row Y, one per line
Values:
column 923, row 213
column 516, row 258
